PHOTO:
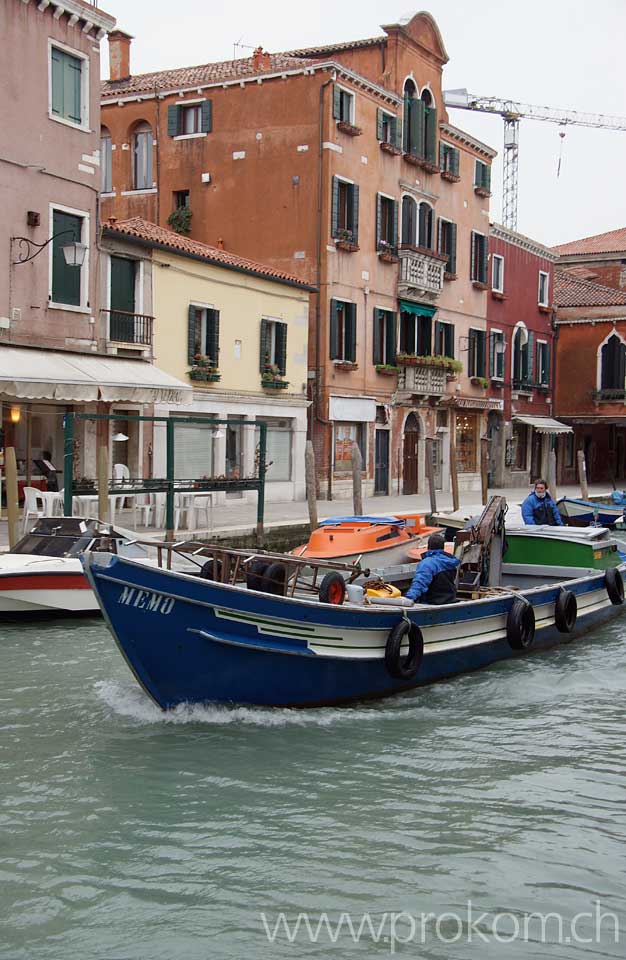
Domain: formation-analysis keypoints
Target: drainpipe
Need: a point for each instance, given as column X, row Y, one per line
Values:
column 157, row 131
column 320, row 197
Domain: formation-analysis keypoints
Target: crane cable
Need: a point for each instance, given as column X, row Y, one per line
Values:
column 562, row 136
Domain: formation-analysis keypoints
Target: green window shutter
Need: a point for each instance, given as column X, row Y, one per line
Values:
column 56, row 57
column 430, row 122
column 484, row 259
column 213, row 336
column 264, row 346
column 191, row 333
column 334, row 331
column 477, row 173
column 379, row 217
column 351, row 332
column 355, row 214
column 546, row 376
column 417, row 113
column 206, row 119
column 390, row 337
column 442, row 156
column 471, row 366
column 492, row 355
column 487, row 176
column 530, row 357
column 454, row 166
column 440, row 236
column 281, row 347
column 173, row 121
column 334, row 217
column 449, row 340
column 472, row 256
column 378, row 322
column 336, row 102
column 73, row 68
column 452, row 250
column 379, row 124
column 66, row 280
column 394, row 225
column 396, row 132
column 439, row 336
column 481, row 351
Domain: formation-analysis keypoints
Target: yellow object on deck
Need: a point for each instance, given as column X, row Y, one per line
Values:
column 384, row 590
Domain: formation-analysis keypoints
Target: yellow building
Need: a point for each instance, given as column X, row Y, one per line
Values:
column 237, row 332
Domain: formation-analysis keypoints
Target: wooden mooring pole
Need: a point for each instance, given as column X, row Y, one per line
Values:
column 454, row 477
column 12, row 496
column 311, row 491
column 430, row 474
column 357, row 480
column 103, row 484
column 582, row 474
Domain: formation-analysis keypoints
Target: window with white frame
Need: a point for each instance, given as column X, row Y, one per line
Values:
column 543, row 363
column 203, row 335
column 68, row 284
column 544, row 288
column 386, row 223
column 273, row 355
column 343, row 104
column 68, row 85
column 497, row 273
column 448, row 159
column 385, row 333
column 479, row 258
column 106, row 161
column 345, row 210
column 496, row 354
column 521, row 356
column 613, row 364
column 343, row 331
column 142, row 156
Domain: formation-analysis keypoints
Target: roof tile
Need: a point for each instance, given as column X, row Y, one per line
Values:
column 572, row 291
column 152, row 233
column 614, row 241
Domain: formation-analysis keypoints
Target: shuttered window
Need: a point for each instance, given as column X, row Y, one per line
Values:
column 66, row 73
column 448, row 159
column 497, row 273
column 496, row 355
column 446, row 243
column 195, row 118
column 345, row 210
column 66, row 280
column 343, row 331
column 479, row 257
column 388, row 128
column 482, row 176
column 106, row 161
column 409, row 221
column 385, row 325
column 543, row 363
column 203, row 336
column 273, row 347
column 343, row 104
column 278, row 450
column 420, row 128
column 544, row 288
column 613, row 364
column 386, row 223
column 425, row 226
column 142, row 157
column 193, row 451
column 477, row 359
column 444, row 339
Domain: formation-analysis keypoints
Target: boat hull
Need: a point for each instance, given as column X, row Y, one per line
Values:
column 193, row 641
column 28, row 592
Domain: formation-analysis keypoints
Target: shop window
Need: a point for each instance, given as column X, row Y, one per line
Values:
column 466, row 442
column 520, row 446
column 345, row 434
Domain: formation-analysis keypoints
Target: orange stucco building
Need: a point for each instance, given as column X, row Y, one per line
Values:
column 338, row 165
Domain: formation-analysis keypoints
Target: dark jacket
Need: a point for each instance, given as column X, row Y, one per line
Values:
column 538, row 511
column 435, row 578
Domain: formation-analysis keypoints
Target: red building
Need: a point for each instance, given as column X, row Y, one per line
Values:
column 520, row 332
column 591, row 376
column 601, row 258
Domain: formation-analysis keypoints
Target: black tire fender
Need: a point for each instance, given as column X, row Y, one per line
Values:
column 254, row 574
column 404, row 667
column 211, row 570
column 520, row 625
column 274, row 579
column 332, row 588
column 565, row 611
column 614, row 583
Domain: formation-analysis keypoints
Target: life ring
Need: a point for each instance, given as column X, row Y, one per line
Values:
column 399, row 666
column 614, row 583
column 332, row 589
column 254, row 574
column 520, row 625
column 274, row 579
column 565, row 611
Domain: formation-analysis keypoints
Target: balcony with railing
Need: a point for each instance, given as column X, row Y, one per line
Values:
column 608, row 395
column 134, row 330
column 420, row 378
column 421, row 273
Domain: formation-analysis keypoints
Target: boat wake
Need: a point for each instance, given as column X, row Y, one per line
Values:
column 128, row 700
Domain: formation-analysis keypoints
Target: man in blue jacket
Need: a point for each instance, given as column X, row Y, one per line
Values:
column 540, row 508
column 435, row 578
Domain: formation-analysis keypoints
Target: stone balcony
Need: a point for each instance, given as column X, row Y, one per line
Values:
column 421, row 273
column 421, row 379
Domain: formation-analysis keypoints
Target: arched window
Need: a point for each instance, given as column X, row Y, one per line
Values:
column 425, row 235
column 142, row 156
column 613, row 364
column 106, row 157
column 521, row 355
column 410, row 116
column 429, row 129
column 409, row 221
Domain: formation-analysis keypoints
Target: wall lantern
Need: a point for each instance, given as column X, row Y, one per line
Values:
column 15, row 414
column 119, row 437
column 73, row 251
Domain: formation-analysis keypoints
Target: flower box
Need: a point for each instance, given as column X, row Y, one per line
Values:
column 450, row 177
column 387, row 369
column 349, row 128
column 347, row 244
column 479, row 285
column 542, row 308
column 345, row 365
column 449, row 276
column 388, row 256
column 422, row 162
column 390, row 148
column 446, row 363
column 479, row 382
column 205, row 374
column 482, row 192
column 498, row 295
column 274, row 384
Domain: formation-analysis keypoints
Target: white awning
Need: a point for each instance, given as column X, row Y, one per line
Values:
column 30, row 374
column 352, row 409
column 544, row 424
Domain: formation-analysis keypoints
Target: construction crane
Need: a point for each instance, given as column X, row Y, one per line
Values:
column 512, row 112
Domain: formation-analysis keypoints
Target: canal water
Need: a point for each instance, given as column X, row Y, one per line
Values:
column 483, row 817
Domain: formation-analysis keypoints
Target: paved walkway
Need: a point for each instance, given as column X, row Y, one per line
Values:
column 239, row 516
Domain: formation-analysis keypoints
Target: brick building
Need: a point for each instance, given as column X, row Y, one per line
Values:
column 591, row 377
column 520, row 331
column 601, row 258
column 337, row 164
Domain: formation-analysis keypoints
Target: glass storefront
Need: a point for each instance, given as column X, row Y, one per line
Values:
column 467, row 442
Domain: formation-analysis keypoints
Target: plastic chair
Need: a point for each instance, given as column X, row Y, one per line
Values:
column 203, row 505
column 32, row 502
column 121, row 471
column 158, row 502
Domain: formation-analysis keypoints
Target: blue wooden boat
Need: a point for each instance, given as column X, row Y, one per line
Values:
column 582, row 513
column 189, row 639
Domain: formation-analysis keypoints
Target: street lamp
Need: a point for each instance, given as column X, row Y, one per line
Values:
column 74, row 251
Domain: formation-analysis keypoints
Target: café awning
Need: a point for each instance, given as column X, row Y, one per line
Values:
column 30, row 374
column 417, row 309
column 544, row 424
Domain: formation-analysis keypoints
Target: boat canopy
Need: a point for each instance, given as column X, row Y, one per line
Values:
column 335, row 521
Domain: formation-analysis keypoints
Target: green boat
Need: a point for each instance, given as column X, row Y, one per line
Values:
column 566, row 550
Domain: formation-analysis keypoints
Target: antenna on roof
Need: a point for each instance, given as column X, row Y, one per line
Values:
column 243, row 46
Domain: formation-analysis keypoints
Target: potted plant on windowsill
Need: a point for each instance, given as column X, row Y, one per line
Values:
column 479, row 382
column 479, row 285
column 180, row 220
column 387, row 369
column 345, row 365
column 387, row 252
column 272, row 378
column 345, row 241
column 482, row 192
column 204, row 369
column 346, row 127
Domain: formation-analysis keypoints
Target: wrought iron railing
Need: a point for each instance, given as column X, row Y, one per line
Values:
column 609, row 394
column 130, row 327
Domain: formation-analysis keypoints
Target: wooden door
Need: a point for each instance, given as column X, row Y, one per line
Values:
column 410, row 458
column 381, row 463
column 122, row 299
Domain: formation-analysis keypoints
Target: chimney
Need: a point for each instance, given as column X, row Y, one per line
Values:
column 260, row 59
column 119, row 55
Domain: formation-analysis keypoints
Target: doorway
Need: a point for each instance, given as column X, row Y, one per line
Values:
column 122, row 316
column 381, row 462
column 410, row 459
column 536, row 458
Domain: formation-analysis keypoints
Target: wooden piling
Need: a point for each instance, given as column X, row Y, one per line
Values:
column 582, row 474
column 357, row 491
column 552, row 474
column 311, row 490
column 103, row 484
column 12, row 496
column 430, row 474
column 454, row 477
column 484, row 469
